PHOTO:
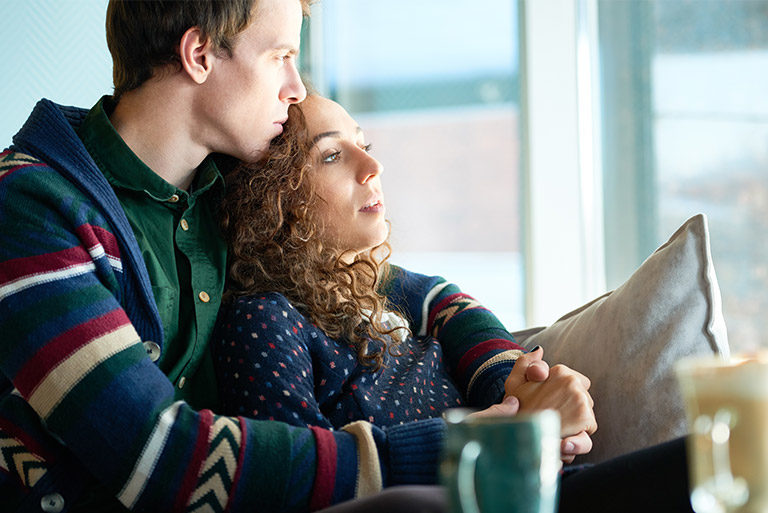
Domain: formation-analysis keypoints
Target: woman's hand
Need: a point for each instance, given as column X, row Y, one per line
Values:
column 560, row 388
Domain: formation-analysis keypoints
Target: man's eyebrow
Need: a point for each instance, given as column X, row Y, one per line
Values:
column 288, row 48
column 332, row 133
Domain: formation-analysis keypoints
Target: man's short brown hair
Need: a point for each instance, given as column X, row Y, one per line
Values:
column 143, row 35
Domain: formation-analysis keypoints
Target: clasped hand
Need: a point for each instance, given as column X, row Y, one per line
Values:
column 533, row 386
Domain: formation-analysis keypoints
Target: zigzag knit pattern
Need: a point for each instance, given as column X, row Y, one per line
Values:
column 11, row 161
column 75, row 306
column 217, row 475
column 450, row 307
column 18, row 461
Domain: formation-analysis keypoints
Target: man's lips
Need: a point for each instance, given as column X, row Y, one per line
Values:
column 279, row 126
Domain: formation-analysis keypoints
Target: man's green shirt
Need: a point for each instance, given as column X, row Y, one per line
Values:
column 183, row 250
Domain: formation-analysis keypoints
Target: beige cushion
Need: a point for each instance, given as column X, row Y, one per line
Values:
column 627, row 341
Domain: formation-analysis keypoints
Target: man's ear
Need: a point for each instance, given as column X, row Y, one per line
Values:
column 196, row 54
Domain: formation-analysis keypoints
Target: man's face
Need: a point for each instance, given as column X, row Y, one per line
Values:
column 246, row 97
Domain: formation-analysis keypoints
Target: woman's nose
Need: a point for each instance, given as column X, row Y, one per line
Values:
column 369, row 168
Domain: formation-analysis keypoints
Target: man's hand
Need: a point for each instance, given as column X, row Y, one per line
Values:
column 506, row 408
column 565, row 391
column 572, row 446
column 538, row 387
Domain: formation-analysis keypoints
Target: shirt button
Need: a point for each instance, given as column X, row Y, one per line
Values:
column 182, row 381
column 52, row 503
column 184, row 225
column 204, row 297
column 153, row 350
column 174, row 198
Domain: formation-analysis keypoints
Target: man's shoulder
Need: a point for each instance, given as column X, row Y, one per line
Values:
column 11, row 160
column 23, row 174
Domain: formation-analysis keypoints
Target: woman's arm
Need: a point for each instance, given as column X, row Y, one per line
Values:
column 480, row 352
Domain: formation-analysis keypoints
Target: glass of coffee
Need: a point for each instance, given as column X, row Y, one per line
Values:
column 727, row 407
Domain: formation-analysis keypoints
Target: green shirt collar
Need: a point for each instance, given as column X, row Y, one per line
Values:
column 124, row 169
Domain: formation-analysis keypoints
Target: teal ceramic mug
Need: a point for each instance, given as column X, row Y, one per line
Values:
column 502, row 464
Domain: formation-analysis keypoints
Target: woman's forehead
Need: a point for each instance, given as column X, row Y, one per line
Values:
column 323, row 115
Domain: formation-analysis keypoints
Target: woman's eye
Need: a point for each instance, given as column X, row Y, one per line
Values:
column 332, row 157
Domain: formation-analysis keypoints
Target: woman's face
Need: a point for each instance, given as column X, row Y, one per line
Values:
column 347, row 179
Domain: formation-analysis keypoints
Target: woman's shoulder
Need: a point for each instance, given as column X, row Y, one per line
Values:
column 265, row 318
column 264, row 305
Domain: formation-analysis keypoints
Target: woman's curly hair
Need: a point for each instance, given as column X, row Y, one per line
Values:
column 269, row 219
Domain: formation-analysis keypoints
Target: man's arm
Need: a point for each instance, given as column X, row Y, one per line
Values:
column 79, row 373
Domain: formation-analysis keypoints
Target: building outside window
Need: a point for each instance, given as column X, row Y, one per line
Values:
column 685, row 88
column 434, row 85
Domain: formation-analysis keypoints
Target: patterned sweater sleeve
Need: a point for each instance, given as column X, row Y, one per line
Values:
column 82, row 405
column 479, row 351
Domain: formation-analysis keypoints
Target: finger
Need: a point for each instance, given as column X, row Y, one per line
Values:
column 575, row 445
column 510, row 404
column 518, row 375
column 537, row 371
column 506, row 408
column 583, row 379
column 563, row 370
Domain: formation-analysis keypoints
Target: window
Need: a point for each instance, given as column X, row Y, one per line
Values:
column 434, row 85
column 56, row 50
column 685, row 98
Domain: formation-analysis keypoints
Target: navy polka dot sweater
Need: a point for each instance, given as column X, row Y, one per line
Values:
column 274, row 364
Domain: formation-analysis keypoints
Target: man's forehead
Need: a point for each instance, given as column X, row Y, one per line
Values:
column 275, row 25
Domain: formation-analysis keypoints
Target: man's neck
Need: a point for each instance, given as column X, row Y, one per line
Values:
column 155, row 123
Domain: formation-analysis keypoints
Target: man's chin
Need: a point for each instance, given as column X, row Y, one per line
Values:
column 254, row 155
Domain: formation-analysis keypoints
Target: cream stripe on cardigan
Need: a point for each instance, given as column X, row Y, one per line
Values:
column 369, row 480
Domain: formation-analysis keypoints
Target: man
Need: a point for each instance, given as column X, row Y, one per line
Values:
column 111, row 275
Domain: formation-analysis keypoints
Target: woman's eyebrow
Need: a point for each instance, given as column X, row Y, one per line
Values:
column 332, row 133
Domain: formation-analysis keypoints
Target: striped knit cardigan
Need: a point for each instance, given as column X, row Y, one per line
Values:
column 83, row 406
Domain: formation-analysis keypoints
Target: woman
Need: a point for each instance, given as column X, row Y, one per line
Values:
column 313, row 333
column 329, row 331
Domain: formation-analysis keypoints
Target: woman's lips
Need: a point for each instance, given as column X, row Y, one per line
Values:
column 373, row 207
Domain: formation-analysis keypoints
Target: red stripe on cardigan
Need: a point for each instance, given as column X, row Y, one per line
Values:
column 240, row 460
column 57, row 261
column 483, row 348
column 60, row 348
column 30, row 443
column 92, row 235
column 441, row 305
column 202, row 444
column 325, row 475
column 7, row 172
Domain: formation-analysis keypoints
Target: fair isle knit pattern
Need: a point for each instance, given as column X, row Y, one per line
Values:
column 273, row 363
column 479, row 351
column 82, row 405
column 19, row 462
